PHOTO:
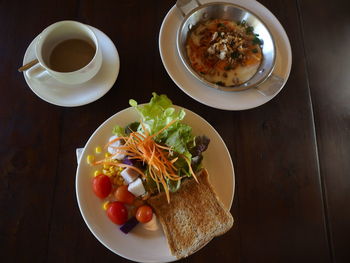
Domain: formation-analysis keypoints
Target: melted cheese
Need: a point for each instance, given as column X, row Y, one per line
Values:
column 212, row 52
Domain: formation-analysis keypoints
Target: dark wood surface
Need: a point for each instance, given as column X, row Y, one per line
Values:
column 291, row 155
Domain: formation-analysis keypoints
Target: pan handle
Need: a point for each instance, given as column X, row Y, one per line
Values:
column 271, row 85
column 185, row 6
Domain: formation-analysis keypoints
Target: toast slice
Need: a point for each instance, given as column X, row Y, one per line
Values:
column 194, row 216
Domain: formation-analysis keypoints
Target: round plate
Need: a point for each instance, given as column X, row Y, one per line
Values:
column 139, row 244
column 57, row 93
column 240, row 100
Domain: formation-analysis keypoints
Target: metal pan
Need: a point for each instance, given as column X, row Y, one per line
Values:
column 194, row 13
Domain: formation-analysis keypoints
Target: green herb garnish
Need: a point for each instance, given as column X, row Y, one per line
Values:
column 255, row 50
column 257, row 41
column 235, row 54
column 249, row 29
column 227, row 67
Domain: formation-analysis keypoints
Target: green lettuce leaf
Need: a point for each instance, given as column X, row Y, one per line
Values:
column 118, row 130
column 158, row 113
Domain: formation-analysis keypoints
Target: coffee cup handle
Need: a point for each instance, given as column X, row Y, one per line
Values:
column 37, row 72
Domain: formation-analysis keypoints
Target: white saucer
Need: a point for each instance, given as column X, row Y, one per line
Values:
column 61, row 94
column 215, row 98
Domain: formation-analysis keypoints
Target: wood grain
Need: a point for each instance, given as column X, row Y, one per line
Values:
column 326, row 36
column 290, row 155
column 29, row 138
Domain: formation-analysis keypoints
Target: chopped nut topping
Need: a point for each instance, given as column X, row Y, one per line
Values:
column 218, row 49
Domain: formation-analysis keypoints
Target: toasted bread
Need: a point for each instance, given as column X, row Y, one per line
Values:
column 194, row 216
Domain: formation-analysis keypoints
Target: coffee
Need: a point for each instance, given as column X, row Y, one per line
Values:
column 71, row 55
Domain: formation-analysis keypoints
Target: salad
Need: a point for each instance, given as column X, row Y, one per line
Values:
column 153, row 155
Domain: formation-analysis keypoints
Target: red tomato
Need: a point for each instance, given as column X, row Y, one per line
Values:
column 123, row 195
column 102, row 185
column 144, row 214
column 117, row 212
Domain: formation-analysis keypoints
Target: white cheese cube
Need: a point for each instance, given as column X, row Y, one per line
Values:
column 222, row 55
column 112, row 150
column 129, row 175
column 136, row 187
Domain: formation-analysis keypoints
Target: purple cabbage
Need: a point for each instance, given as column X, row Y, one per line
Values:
column 129, row 225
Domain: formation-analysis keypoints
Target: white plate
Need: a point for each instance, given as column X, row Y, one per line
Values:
column 141, row 245
column 215, row 98
column 55, row 92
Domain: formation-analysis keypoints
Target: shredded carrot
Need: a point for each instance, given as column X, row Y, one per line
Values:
column 114, row 140
column 164, row 128
column 142, row 147
column 190, row 167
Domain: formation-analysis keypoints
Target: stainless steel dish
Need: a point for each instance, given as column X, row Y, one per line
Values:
column 218, row 10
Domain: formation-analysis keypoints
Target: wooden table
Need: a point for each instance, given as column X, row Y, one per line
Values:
column 291, row 155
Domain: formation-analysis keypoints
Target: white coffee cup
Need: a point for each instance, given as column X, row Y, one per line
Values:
column 50, row 38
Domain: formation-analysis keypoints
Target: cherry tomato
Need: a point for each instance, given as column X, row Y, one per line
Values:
column 144, row 214
column 117, row 213
column 123, row 195
column 102, row 185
